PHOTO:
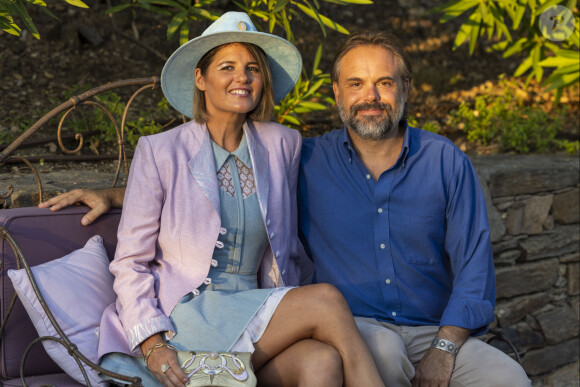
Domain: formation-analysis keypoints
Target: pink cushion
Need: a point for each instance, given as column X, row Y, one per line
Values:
column 76, row 288
column 43, row 236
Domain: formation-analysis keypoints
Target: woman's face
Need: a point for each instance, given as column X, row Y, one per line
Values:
column 232, row 82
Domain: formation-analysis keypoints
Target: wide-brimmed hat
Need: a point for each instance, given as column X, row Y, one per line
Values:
column 178, row 75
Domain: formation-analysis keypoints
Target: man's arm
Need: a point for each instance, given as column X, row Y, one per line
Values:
column 100, row 201
column 437, row 365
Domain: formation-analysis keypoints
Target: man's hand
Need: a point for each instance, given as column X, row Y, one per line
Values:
column 436, row 367
column 100, row 201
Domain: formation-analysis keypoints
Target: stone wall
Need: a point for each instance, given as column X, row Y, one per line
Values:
column 533, row 208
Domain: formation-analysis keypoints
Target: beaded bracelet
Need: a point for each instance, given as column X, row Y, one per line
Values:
column 157, row 346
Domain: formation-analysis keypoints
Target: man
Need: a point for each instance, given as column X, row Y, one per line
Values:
column 395, row 218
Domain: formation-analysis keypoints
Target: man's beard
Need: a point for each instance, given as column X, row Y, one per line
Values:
column 372, row 127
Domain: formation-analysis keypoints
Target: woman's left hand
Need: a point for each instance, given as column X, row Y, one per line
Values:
column 161, row 360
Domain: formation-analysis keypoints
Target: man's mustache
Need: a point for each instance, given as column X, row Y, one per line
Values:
column 371, row 106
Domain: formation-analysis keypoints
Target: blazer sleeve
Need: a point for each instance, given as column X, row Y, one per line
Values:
column 137, row 303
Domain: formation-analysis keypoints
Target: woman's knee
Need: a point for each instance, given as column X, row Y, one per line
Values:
column 322, row 367
column 327, row 296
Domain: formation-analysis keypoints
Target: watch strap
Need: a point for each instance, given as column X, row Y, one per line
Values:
column 445, row 345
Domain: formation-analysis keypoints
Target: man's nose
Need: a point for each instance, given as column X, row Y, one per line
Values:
column 372, row 94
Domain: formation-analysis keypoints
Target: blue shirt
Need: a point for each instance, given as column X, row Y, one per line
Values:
column 413, row 247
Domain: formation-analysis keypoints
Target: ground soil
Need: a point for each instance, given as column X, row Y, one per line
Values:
column 82, row 50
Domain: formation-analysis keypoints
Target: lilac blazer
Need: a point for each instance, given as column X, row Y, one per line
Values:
column 171, row 221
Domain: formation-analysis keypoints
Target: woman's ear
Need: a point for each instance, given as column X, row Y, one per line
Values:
column 199, row 80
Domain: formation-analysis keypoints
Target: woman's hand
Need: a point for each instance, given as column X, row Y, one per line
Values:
column 163, row 363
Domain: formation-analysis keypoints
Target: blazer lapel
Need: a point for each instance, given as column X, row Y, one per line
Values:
column 202, row 167
column 259, row 156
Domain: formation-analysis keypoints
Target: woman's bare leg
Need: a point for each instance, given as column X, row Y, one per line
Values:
column 318, row 312
column 305, row 363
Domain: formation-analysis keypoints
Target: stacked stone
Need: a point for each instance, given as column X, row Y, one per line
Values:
column 533, row 208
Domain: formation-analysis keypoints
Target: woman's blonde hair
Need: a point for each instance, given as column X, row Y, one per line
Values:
column 264, row 108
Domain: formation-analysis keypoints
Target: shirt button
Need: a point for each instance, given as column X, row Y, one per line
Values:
column 394, row 313
column 272, row 236
column 380, row 210
column 223, row 231
column 388, row 281
column 382, row 246
column 277, row 254
column 368, row 176
column 268, row 222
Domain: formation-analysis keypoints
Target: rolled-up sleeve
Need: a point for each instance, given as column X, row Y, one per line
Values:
column 137, row 303
column 467, row 243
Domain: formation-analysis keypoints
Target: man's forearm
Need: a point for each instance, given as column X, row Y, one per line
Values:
column 115, row 196
column 454, row 334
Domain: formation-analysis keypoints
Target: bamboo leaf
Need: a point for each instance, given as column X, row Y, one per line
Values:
column 280, row 4
column 117, row 8
column 312, row 105
column 462, row 34
column 77, row 3
column 313, row 14
column 272, row 22
column 175, row 23
column 317, row 57
column 184, row 33
column 15, row 7
column 515, row 48
column 289, row 118
column 563, row 81
column 523, row 67
column 476, row 19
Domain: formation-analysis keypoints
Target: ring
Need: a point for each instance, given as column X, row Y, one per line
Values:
column 165, row 367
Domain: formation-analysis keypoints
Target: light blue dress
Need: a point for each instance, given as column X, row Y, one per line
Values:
column 216, row 316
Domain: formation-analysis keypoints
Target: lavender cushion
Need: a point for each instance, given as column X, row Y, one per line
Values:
column 77, row 288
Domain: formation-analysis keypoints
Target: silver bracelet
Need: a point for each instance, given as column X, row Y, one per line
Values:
column 445, row 345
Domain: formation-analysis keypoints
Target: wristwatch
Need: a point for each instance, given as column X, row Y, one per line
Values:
column 445, row 345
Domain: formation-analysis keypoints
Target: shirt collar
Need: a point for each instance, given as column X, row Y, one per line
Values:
column 404, row 150
column 221, row 155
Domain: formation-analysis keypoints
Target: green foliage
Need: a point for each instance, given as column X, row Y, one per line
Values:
column 506, row 121
column 518, row 30
column 275, row 12
column 11, row 9
column 281, row 13
column 430, row 126
column 306, row 96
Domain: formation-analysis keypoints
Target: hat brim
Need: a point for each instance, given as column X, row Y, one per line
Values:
column 178, row 75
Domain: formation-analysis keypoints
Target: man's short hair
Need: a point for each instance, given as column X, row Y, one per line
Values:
column 382, row 39
column 265, row 107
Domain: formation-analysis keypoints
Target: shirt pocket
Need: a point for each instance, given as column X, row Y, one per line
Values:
column 424, row 238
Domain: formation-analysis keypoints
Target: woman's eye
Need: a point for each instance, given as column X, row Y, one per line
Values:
column 254, row 69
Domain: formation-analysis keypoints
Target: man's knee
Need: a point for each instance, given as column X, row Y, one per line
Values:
column 479, row 364
column 388, row 351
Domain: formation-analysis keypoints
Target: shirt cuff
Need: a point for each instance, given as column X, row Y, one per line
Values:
column 475, row 315
column 140, row 332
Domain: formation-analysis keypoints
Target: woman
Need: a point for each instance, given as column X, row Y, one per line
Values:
column 207, row 244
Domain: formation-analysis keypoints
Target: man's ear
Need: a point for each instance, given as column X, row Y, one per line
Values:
column 199, row 80
column 335, row 90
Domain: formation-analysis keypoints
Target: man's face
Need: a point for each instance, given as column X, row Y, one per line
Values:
column 370, row 94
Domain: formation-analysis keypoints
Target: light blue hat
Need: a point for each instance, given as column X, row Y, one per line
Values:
column 178, row 75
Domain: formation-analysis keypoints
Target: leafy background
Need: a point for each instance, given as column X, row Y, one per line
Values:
column 480, row 77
